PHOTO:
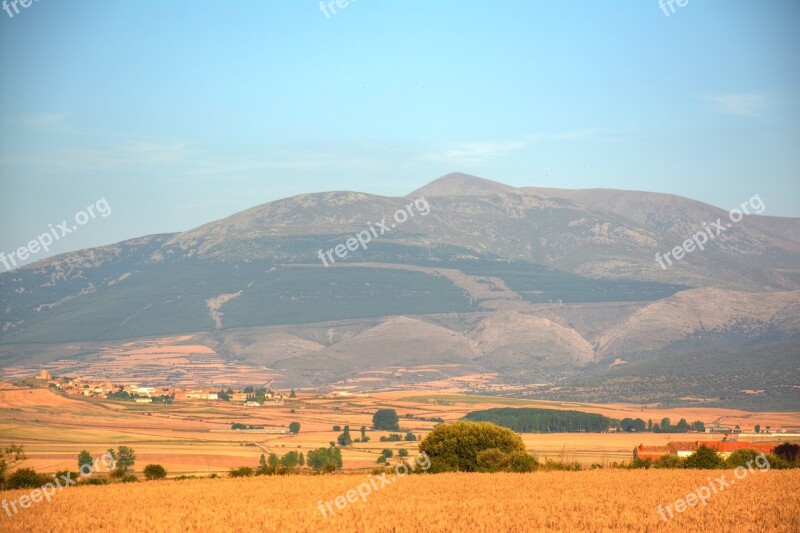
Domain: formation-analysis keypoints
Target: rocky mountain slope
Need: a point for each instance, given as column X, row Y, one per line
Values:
column 528, row 283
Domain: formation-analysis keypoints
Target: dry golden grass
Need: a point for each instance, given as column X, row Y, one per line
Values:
column 600, row 500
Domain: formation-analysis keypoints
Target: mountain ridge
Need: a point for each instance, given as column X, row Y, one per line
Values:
column 530, row 284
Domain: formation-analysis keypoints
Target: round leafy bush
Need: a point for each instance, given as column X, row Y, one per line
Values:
column 456, row 447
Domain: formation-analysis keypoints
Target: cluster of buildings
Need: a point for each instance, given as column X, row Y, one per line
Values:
column 141, row 394
column 270, row 398
column 687, row 448
column 102, row 389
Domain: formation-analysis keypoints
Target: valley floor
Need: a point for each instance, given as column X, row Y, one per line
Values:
column 54, row 428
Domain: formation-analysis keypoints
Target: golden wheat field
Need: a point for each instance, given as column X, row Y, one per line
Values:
column 600, row 500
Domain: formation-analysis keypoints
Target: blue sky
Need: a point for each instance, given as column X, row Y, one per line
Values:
column 182, row 112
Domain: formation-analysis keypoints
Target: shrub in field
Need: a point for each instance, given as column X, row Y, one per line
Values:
column 152, row 472
column 129, row 478
column 294, row 427
column 669, row 461
column 455, row 447
column 386, row 420
column 522, row 462
column 344, row 438
column 26, row 478
column 704, row 458
column 741, row 458
column 242, row 471
column 71, row 475
column 777, row 462
column 9, row 456
column 640, row 463
column 325, row 459
column 788, row 452
column 492, row 460
column 551, row 465
column 94, row 480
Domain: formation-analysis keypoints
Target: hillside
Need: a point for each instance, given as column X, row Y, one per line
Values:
column 531, row 284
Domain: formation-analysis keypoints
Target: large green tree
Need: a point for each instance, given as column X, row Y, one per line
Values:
column 328, row 459
column 9, row 456
column 704, row 458
column 154, row 472
column 85, row 458
column 344, row 439
column 457, row 446
column 124, row 459
column 386, row 420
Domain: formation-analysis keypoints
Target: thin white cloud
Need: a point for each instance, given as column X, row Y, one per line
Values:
column 481, row 151
column 52, row 122
column 743, row 105
column 132, row 155
column 563, row 136
column 476, row 152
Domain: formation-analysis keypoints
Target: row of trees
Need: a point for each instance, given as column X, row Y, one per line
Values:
column 529, row 420
column 294, row 427
column 319, row 460
column 665, row 426
column 123, row 459
column 396, row 437
column 382, row 420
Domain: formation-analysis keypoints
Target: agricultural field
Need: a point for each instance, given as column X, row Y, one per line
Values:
column 54, row 428
column 602, row 500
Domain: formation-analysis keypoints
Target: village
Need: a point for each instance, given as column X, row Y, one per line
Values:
column 248, row 396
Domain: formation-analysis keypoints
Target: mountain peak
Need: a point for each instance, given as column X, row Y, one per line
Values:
column 459, row 184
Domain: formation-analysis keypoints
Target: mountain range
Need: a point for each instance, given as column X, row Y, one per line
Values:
column 552, row 292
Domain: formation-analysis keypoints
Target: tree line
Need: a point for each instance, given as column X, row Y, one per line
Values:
column 532, row 420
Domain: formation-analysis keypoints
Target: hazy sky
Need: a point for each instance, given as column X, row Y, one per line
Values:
column 182, row 112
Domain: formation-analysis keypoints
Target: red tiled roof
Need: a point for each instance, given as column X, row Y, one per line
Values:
column 650, row 452
column 740, row 445
column 726, row 447
column 682, row 446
